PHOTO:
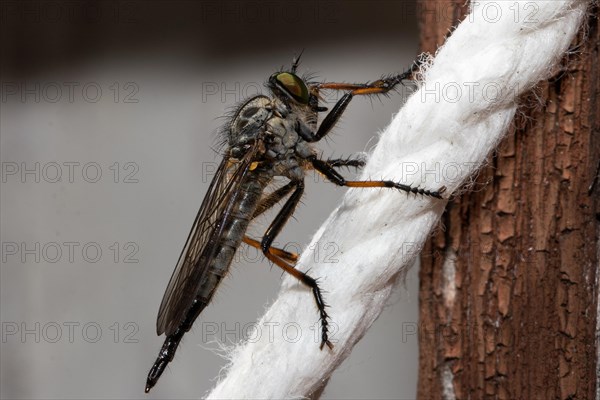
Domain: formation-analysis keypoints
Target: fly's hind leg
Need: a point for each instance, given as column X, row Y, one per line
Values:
column 279, row 259
column 266, row 204
column 273, row 198
column 313, row 284
column 283, row 254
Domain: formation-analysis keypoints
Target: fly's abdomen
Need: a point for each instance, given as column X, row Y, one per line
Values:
column 234, row 229
column 224, row 244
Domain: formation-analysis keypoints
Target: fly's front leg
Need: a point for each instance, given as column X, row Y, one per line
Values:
column 331, row 174
column 380, row 86
column 274, row 229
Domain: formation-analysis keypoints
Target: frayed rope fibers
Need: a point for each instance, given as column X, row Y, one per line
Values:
column 466, row 102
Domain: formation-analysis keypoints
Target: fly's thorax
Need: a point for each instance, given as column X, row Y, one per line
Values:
column 247, row 124
column 274, row 125
column 284, row 147
column 280, row 136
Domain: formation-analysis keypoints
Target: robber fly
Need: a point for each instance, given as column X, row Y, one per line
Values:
column 267, row 137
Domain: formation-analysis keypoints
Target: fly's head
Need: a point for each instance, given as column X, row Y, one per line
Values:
column 290, row 89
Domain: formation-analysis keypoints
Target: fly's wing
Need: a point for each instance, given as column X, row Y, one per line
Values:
column 200, row 246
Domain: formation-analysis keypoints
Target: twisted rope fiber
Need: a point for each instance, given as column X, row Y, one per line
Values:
column 379, row 232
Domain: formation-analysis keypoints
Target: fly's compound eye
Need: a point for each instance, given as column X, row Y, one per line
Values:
column 292, row 85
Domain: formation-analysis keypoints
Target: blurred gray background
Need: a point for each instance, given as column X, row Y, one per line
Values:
column 108, row 119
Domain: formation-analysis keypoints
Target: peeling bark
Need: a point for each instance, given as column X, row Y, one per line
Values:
column 509, row 288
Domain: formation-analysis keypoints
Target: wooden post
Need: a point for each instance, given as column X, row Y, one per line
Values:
column 509, row 285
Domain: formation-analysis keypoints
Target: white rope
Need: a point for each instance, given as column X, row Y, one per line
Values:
column 445, row 130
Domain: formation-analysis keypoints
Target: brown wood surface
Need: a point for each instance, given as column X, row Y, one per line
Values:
column 509, row 286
